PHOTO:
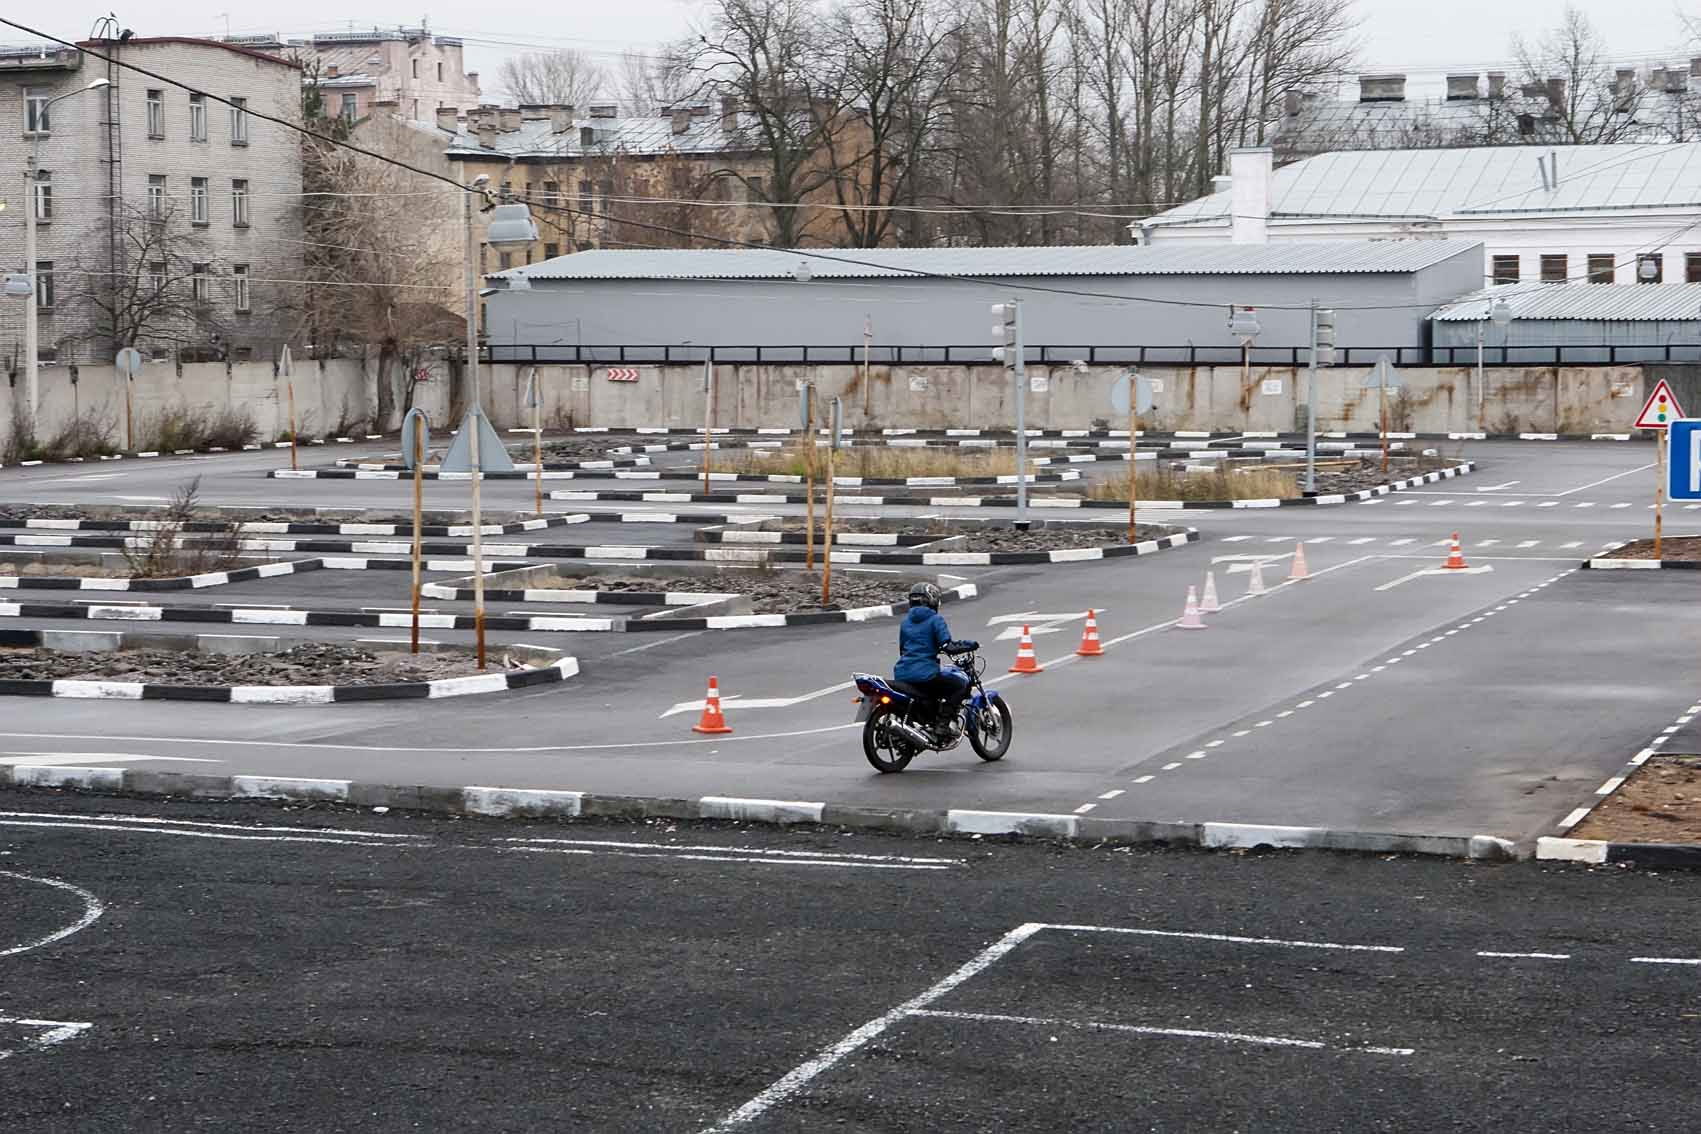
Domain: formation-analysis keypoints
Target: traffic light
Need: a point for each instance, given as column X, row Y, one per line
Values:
column 1243, row 322
column 1004, row 332
column 1323, row 337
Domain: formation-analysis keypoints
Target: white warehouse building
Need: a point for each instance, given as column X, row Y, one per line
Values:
column 1626, row 214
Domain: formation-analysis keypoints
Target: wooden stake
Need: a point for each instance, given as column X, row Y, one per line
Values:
column 418, row 510
column 809, row 502
column 537, row 445
column 1133, row 464
column 827, row 539
column 1382, row 400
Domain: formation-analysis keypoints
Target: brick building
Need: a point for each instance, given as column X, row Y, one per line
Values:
column 166, row 220
column 415, row 72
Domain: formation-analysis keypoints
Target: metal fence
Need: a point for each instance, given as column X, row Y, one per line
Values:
column 1062, row 355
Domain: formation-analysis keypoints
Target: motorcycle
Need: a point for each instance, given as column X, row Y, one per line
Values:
column 900, row 721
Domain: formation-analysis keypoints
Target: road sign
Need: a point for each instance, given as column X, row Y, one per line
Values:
column 1660, row 410
column 1143, row 389
column 285, row 362
column 621, row 373
column 129, row 362
column 416, row 423
column 1382, row 374
column 1683, row 477
column 531, row 390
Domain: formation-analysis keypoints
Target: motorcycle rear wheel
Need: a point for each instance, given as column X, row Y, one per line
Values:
column 990, row 731
column 886, row 751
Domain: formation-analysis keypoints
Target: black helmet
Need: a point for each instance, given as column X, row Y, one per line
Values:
column 924, row 594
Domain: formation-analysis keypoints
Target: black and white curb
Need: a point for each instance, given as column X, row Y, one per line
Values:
column 1604, row 564
column 294, row 527
column 683, row 475
column 1144, row 434
column 528, row 467
column 540, row 803
column 1561, row 849
column 240, row 574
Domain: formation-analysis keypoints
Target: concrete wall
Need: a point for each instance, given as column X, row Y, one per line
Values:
column 325, row 393
column 1434, row 399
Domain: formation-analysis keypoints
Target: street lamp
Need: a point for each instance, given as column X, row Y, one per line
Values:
column 1499, row 313
column 32, row 386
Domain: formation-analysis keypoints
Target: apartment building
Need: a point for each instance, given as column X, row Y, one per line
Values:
column 166, row 220
column 405, row 71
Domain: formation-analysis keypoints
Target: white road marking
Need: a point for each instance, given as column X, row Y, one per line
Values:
column 1498, row 487
column 1225, row 938
column 1112, row 794
column 1530, row 956
column 92, row 909
column 1171, row 766
column 735, row 701
column 1147, row 1030
column 841, row 863
column 192, row 834
column 1665, row 960
column 96, row 759
column 1422, row 571
column 1143, row 779
column 154, row 820
column 653, row 645
column 1084, row 808
column 619, row 844
column 54, row 1031
column 1605, row 479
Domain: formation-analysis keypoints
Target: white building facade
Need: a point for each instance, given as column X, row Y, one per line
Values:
column 1623, row 213
column 166, row 220
column 408, row 71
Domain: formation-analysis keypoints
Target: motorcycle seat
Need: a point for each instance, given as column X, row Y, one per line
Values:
column 905, row 688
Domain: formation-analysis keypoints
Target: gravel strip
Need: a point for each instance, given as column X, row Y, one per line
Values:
column 310, row 664
column 1044, row 539
column 1686, row 549
column 770, row 592
column 1661, row 803
column 1369, row 473
column 584, row 448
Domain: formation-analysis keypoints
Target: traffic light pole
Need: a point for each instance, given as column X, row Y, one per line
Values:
column 1311, row 410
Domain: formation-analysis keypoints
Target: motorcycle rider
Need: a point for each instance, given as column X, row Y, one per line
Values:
column 921, row 636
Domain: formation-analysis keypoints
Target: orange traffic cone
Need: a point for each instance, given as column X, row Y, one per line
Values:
column 1190, row 619
column 1299, row 570
column 1025, row 660
column 713, row 720
column 1090, row 647
column 1455, row 555
column 1257, row 585
column 1208, row 603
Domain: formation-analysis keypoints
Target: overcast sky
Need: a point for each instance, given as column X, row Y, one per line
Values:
column 1397, row 35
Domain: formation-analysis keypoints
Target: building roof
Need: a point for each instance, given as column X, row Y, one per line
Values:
column 1665, row 302
column 1322, row 257
column 107, row 46
column 653, row 134
column 1479, row 181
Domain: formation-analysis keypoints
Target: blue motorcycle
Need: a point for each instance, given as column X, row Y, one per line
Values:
column 900, row 721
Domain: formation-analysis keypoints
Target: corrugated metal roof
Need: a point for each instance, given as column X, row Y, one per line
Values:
column 1322, row 257
column 1665, row 302
column 1471, row 182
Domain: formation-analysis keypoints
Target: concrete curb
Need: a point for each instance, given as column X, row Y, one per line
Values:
column 239, row 575
column 395, row 473
column 1597, row 853
column 1337, row 435
column 528, row 803
column 255, row 527
column 1642, row 564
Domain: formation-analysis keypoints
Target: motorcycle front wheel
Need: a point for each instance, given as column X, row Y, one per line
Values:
column 989, row 731
column 887, row 751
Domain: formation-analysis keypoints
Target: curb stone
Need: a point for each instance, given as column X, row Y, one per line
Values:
column 1595, row 852
column 532, row 803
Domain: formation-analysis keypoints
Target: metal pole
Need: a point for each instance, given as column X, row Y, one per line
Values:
column 1479, row 376
column 1660, row 490
column 1382, row 409
column 867, row 390
column 537, row 437
column 1021, row 373
column 809, row 484
column 827, row 532
column 474, row 421
column 290, row 386
column 32, row 391
column 1311, row 409
column 708, row 415
column 418, row 508
column 1133, row 453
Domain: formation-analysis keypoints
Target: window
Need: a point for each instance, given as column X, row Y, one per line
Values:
column 1505, row 269
column 1601, row 267
column 239, row 274
column 587, row 201
column 753, row 193
column 197, row 200
column 44, row 285
column 440, row 72
column 605, row 190
column 238, row 121
column 1556, row 268
column 415, row 68
column 552, row 193
column 1692, row 267
column 43, row 196
column 415, row 113
column 156, row 276
column 551, row 251
column 199, row 283
column 156, row 114
column 197, row 118
column 351, row 107
column 156, row 196
column 35, row 109
column 1650, row 268
column 239, row 203
column 587, row 136
column 504, row 261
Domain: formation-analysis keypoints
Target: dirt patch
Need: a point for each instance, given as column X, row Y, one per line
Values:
column 63, row 571
column 1044, row 539
column 1684, row 549
column 770, row 592
column 1661, row 803
column 309, row 664
column 39, row 512
column 874, row 461
column 1334, row 477
column 585, row 448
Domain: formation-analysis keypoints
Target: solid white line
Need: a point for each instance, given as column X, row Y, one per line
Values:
column 1530, row 956
column 92, row 909
column 1232, row 940
column 793, row 1081
column 1665, row 960
column 150, row 819
column 186, row 834
column 734, row 861
column 1144, row 1030
column 1605, row 479
column 613, row 844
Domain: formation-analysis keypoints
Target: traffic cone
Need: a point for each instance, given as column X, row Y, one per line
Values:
column 1455, row 555
column 1090, row 647
column 1025, row 660
column 1299, row 570
column 1208, row 604
column 1257, row 587
column 713, row 720
column 1190, row 619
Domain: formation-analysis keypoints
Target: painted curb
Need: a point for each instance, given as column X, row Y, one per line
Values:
column 529, row 803
column 1596, row 853
column 723, row 478
column 241, row 574
column 258, row 527
column 1642, row 564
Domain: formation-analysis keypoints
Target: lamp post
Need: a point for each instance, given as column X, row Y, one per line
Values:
column 1500, row 314
column 32, row 385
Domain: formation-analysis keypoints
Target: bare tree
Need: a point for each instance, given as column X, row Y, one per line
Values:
column 566, row 76
column 1568, row 67
column 168, row 293
column 650, row 82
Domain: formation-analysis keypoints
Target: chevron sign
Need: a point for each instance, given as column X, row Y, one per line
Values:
column 621, row 373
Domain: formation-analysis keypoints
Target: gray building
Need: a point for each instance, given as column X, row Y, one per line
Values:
column 1552, row 324
column 1098, row 304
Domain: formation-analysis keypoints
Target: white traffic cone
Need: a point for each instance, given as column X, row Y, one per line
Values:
column 1299, row 571
column 1208, row 604
column 1190, row 619
column 1257, row 586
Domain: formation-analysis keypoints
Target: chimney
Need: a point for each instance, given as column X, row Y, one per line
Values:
column 534, row 112
column 330, row 70
column 1555, row 90
column 1291, row 104
column 486, row 131
column 448, row 118
column 1461, row 87
column 604, row 110
column 729, row 112
column 508, row 119
column 1497, row 84
column 681, row 121
column 1677, row 80
column 1250, row 170
column 1657, row 79
column 1382, row 88
column 560, row 118
column 1695, row 67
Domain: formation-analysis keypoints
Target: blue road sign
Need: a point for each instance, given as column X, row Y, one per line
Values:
column 1683, row 476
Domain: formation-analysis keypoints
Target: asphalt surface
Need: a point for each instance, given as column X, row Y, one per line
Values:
column 1457, row 726
column 245, row 968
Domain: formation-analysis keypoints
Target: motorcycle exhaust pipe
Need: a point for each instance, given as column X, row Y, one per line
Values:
column 909, row 732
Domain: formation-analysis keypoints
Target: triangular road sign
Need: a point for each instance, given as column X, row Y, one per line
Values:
column 492, row 455
column 1660, row 410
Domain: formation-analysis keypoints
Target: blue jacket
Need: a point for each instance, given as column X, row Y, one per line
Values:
column 920, row 636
